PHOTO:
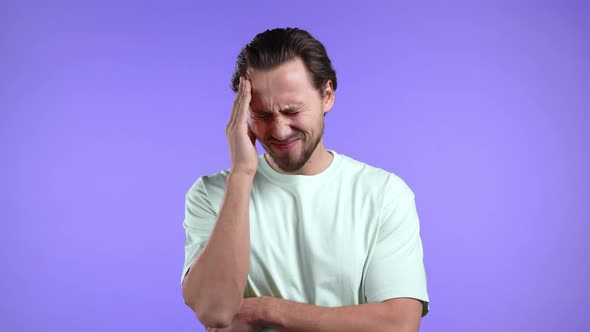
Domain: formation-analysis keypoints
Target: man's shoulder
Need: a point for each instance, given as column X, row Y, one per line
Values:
column 357, row 166
column 366, row 169
column 373, row 175
column 217, row 178
column 211, row 185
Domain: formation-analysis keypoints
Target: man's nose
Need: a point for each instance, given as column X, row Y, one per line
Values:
column 281, row 128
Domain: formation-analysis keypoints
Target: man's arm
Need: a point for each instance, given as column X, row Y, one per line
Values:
column 399, row 314
column 214, row 285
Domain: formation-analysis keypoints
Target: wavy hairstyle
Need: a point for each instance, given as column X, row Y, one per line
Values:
column 272, row 48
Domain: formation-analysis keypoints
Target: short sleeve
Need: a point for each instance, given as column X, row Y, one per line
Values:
column 396, row 267
column 199, row 218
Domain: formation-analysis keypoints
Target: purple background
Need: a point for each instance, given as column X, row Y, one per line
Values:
column 110, row 111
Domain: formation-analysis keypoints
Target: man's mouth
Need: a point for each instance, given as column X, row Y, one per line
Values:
column 287, row 145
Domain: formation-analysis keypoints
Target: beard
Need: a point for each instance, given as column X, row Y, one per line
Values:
column 289, row 165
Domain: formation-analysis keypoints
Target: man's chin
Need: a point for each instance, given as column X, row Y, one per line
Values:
column 285, row 162
column 289, row 168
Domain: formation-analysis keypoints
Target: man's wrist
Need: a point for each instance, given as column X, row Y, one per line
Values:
column 240, row 176
column 240, row 180
column 263, row 314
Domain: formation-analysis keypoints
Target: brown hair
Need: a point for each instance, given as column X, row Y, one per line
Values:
column 272, row 48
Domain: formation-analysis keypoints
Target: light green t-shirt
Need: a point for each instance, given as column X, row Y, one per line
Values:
column 349, row 235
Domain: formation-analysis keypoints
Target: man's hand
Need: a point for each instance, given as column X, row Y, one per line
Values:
column 246, row 320
column 240, row 138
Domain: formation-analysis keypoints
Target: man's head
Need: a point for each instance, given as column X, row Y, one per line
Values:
column 293, row 84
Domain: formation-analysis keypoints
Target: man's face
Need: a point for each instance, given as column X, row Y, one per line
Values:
column 287, row 113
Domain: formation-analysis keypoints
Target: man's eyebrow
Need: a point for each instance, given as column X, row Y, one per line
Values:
column 290, row 107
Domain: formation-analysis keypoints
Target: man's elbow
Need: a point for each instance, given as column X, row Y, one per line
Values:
column 403, row 314
column 217, row 315
column 213, row 319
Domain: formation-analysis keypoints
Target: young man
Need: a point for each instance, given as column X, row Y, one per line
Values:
column 300, row 238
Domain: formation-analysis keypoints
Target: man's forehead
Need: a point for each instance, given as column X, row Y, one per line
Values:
column 276, row 98
column 289, row 76
column 278, row 88
column 275, row 102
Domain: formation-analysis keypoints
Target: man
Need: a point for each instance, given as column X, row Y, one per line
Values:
column 300, row 238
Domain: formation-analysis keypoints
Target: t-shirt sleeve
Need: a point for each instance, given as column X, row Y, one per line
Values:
column 199, row 218
column 396, row 268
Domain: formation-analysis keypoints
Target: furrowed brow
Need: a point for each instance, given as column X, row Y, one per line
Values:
column 291, row 107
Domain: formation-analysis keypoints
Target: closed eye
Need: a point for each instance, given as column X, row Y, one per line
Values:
column 266, row 115
column 262, row 115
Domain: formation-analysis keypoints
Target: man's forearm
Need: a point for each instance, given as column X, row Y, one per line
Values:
column 290, row 316
column 214, row 286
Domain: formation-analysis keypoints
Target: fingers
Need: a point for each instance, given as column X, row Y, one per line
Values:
column 236, row 106
column 245, row 101
column 241, row 105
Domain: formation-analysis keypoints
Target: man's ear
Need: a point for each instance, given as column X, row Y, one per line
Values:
column 328, row 97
